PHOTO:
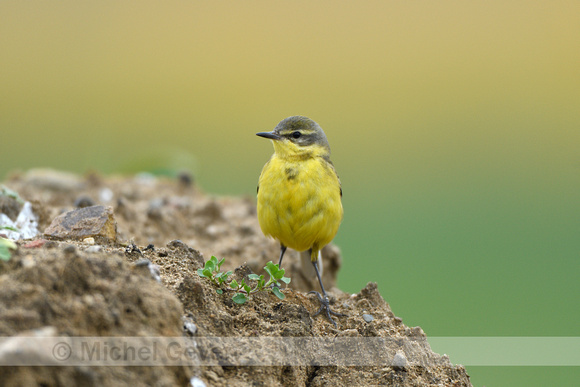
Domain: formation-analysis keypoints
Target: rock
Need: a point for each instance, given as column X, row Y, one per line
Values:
column 35, row 244
column 368, row 317
column 97, row 222
column 153, row 269
column 26, row 224
column 189, row 326
column 185, row 179
column 53, row 180
column 196, row 382
column 399, row 360
column 84, row 201
column 105, row 195
column 9, row 205
column 94, row 249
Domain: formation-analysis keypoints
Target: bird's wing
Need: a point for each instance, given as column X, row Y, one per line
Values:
column 334, row 170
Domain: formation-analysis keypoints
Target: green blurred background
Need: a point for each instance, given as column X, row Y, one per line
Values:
column 455, row 128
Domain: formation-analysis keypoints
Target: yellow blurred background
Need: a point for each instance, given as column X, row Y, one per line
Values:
column 455, row 128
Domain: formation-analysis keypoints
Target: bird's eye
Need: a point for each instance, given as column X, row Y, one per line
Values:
column 296, row 134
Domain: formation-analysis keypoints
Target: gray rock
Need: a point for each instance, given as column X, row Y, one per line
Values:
column 368, row 317
column 97, row 222
column 399, row 360
column 189, row 326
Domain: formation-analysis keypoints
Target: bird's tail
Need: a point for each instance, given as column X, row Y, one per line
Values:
column 307, row 266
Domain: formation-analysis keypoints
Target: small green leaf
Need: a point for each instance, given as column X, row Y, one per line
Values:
column 219, row 291
column 279, row 274
column 5, row 246
column 212, row 263
column 253, row 276
column 271, row 268
column 209, row 265
column 234, row 284
column 219, row 265
column 247, row 288
column 239, row 298
column 286, row 280
column 200, row 273
column 207, row 273
column 278, row 293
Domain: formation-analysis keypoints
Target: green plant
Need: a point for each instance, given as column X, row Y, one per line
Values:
column 5, row 246
column 242, row 289
column 212, row 272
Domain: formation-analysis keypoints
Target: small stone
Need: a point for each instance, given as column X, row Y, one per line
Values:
column 28, row 262
column 94, row 249
column 26, row 224
column 50, row 245
column 89, row 241
column 97, row 222
column 84, row 201
column 185, row 178
column 368, row 317
column 105, row 195
column 189, row 327
column 10, row 206
column 53, row 180
column 154, row 211
column 153, row 269
column 70, row 249
column 349, row 333
column 196, row 382
column 35, row 244
column 399, row 360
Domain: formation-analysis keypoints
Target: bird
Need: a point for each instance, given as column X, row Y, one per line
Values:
column 299, row 201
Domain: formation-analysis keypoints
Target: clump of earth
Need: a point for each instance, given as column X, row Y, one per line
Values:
column 118, row 256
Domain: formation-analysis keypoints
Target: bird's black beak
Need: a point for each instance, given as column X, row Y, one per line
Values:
column 270, row 135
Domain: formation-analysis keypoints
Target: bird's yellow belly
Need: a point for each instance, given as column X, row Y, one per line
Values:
column 299, row 203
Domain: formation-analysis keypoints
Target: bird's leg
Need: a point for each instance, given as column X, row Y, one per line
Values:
column 282, row 251
column 324, row 302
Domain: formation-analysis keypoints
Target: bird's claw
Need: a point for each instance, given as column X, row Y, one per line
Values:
column 325, row 305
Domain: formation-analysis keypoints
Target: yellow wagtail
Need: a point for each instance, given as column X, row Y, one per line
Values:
column 299, row 194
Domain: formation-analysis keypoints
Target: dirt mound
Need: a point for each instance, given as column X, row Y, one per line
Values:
column 79, row 288
column 78, row 294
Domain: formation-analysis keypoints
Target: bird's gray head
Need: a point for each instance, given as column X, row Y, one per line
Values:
column 300, row 131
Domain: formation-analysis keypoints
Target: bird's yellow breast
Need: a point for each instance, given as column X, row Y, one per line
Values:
column 299, row 202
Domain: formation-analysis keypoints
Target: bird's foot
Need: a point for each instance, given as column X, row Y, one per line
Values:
column 325, row 305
